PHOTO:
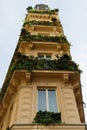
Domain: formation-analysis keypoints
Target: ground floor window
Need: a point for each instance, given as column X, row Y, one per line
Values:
column 47, row 100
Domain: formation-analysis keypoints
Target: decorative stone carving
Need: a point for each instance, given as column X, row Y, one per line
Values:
column 28, row 77
column 15, row 82
column 58, row 47
column 30, row 46
column 66, row 78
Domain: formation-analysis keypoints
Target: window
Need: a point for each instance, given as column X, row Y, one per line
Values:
column 44, row 56
column 47, row 100
column 37, row 8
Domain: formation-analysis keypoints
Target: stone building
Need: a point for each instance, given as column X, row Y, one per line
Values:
column 42, row 89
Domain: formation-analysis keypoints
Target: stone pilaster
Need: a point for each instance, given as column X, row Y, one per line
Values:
column 72, row 115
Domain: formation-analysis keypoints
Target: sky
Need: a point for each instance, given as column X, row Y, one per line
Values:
column 73, row 16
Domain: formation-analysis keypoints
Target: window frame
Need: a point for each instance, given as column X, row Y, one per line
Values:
column 47, row 99
column 45, row 56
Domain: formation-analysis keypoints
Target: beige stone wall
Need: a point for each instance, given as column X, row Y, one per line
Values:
column 14, row 114
column 72, row 115
column 23, row 108
column 10, row 114
column 27, row 95
column 52, row 127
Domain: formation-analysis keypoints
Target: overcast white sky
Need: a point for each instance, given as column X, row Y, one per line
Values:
column 73, row 16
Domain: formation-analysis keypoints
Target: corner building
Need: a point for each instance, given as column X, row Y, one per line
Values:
column 42, row 88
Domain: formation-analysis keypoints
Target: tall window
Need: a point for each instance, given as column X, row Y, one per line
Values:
column 47, row 100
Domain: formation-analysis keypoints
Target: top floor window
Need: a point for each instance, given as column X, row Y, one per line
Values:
column 44, row 56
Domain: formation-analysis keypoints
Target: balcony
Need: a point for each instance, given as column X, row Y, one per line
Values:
column 44, row 23
column 26, row 36
column 33, row 10
column 33, row 63
column 22, row 65
column 22, row 62
column 44, row 127
column 44, row 30
column 44, row 26
column 41, row 17
column 50, row 46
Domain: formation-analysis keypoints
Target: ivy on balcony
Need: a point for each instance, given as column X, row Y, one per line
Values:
column 22, row 62
column 34, row 22
column 26, row 36
column 33, row 63
column 46, row 118
column 33, row 10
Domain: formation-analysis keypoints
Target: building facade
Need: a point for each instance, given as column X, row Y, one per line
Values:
column 42, row 89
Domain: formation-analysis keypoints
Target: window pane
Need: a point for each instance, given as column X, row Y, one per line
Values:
column 41, row 100
column 52, row 100
column 40, row 56
column 48, row 57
